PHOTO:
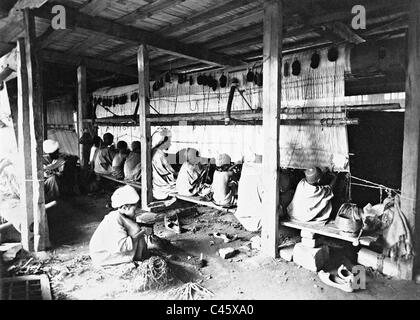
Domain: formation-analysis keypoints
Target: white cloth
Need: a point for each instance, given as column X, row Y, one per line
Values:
column 250, row 193
column 92, row 153
column 310, row 203
column 163, row 179
column 188, row 182
column 111, row 244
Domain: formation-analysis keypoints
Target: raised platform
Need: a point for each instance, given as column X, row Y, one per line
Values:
column 329, row 230
column 134, row 184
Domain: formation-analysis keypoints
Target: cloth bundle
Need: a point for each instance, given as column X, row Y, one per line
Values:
column 396, row 233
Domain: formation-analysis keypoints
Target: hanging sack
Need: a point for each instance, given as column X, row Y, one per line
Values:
column 223, row 81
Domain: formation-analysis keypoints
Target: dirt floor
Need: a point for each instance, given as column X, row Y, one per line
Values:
column 247, row 275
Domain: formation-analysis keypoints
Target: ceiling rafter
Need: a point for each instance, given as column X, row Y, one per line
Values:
column 102, row 26
column 148, row 10
column 205, row 16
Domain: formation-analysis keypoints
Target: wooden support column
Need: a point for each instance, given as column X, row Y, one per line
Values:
column 24, row 148
column 36, row 133
column 145, row 134
column 84, row 148
column 42, row 95
column 273, row 22
column 410, row 185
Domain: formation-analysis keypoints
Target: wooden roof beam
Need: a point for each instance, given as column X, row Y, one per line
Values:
column 49, row 36
column 391, row 6
column 102, row 26
column 205, row 16
column 222, row 23
column 346, row 33
column 241, row 34
column 288, row 48
column 147, row 11
column 161, row 60
column 328, row 34
column 94, row 7
column 115, row 51
column 335, row 32
column 175, row 65
column 242, row 43
column 82, row 46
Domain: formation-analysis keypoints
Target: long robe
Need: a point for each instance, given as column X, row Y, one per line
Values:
column 111, row 244
column 250, row 193
column 310, row 203
column 189, row 180
column 132, row 166
column 163, row 179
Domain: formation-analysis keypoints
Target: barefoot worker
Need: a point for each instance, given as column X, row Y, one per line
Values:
column 118, row 238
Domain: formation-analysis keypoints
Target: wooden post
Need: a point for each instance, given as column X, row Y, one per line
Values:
column 410, row 185
column 273, row 21
column 84, row 148
column 24, row 147
column 42, row 97
column 145, row 134
column 36, row 133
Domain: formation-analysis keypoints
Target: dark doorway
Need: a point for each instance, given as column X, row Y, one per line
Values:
column 377, row 145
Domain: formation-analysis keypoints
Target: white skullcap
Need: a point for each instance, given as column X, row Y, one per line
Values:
column 50, row 146
column 124, row 195
column 222, row 159
column 159, row 136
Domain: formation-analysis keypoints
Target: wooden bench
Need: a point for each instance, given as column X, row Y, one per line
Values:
column 192, row 199
column 136, row 185
column 199, row 200
column 329, row 230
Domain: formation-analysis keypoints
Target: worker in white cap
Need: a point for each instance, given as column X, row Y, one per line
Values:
column 312, row 199
column 163, row 175
column 54, row 165
column 225, row 184
column 118, row 238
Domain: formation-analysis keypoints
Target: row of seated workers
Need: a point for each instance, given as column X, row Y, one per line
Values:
column 189, row 174
column 306, row 196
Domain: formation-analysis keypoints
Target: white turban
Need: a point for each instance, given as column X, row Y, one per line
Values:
column 159, row 136
column 223, row 159
column 124, row 195
column 50, row 146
